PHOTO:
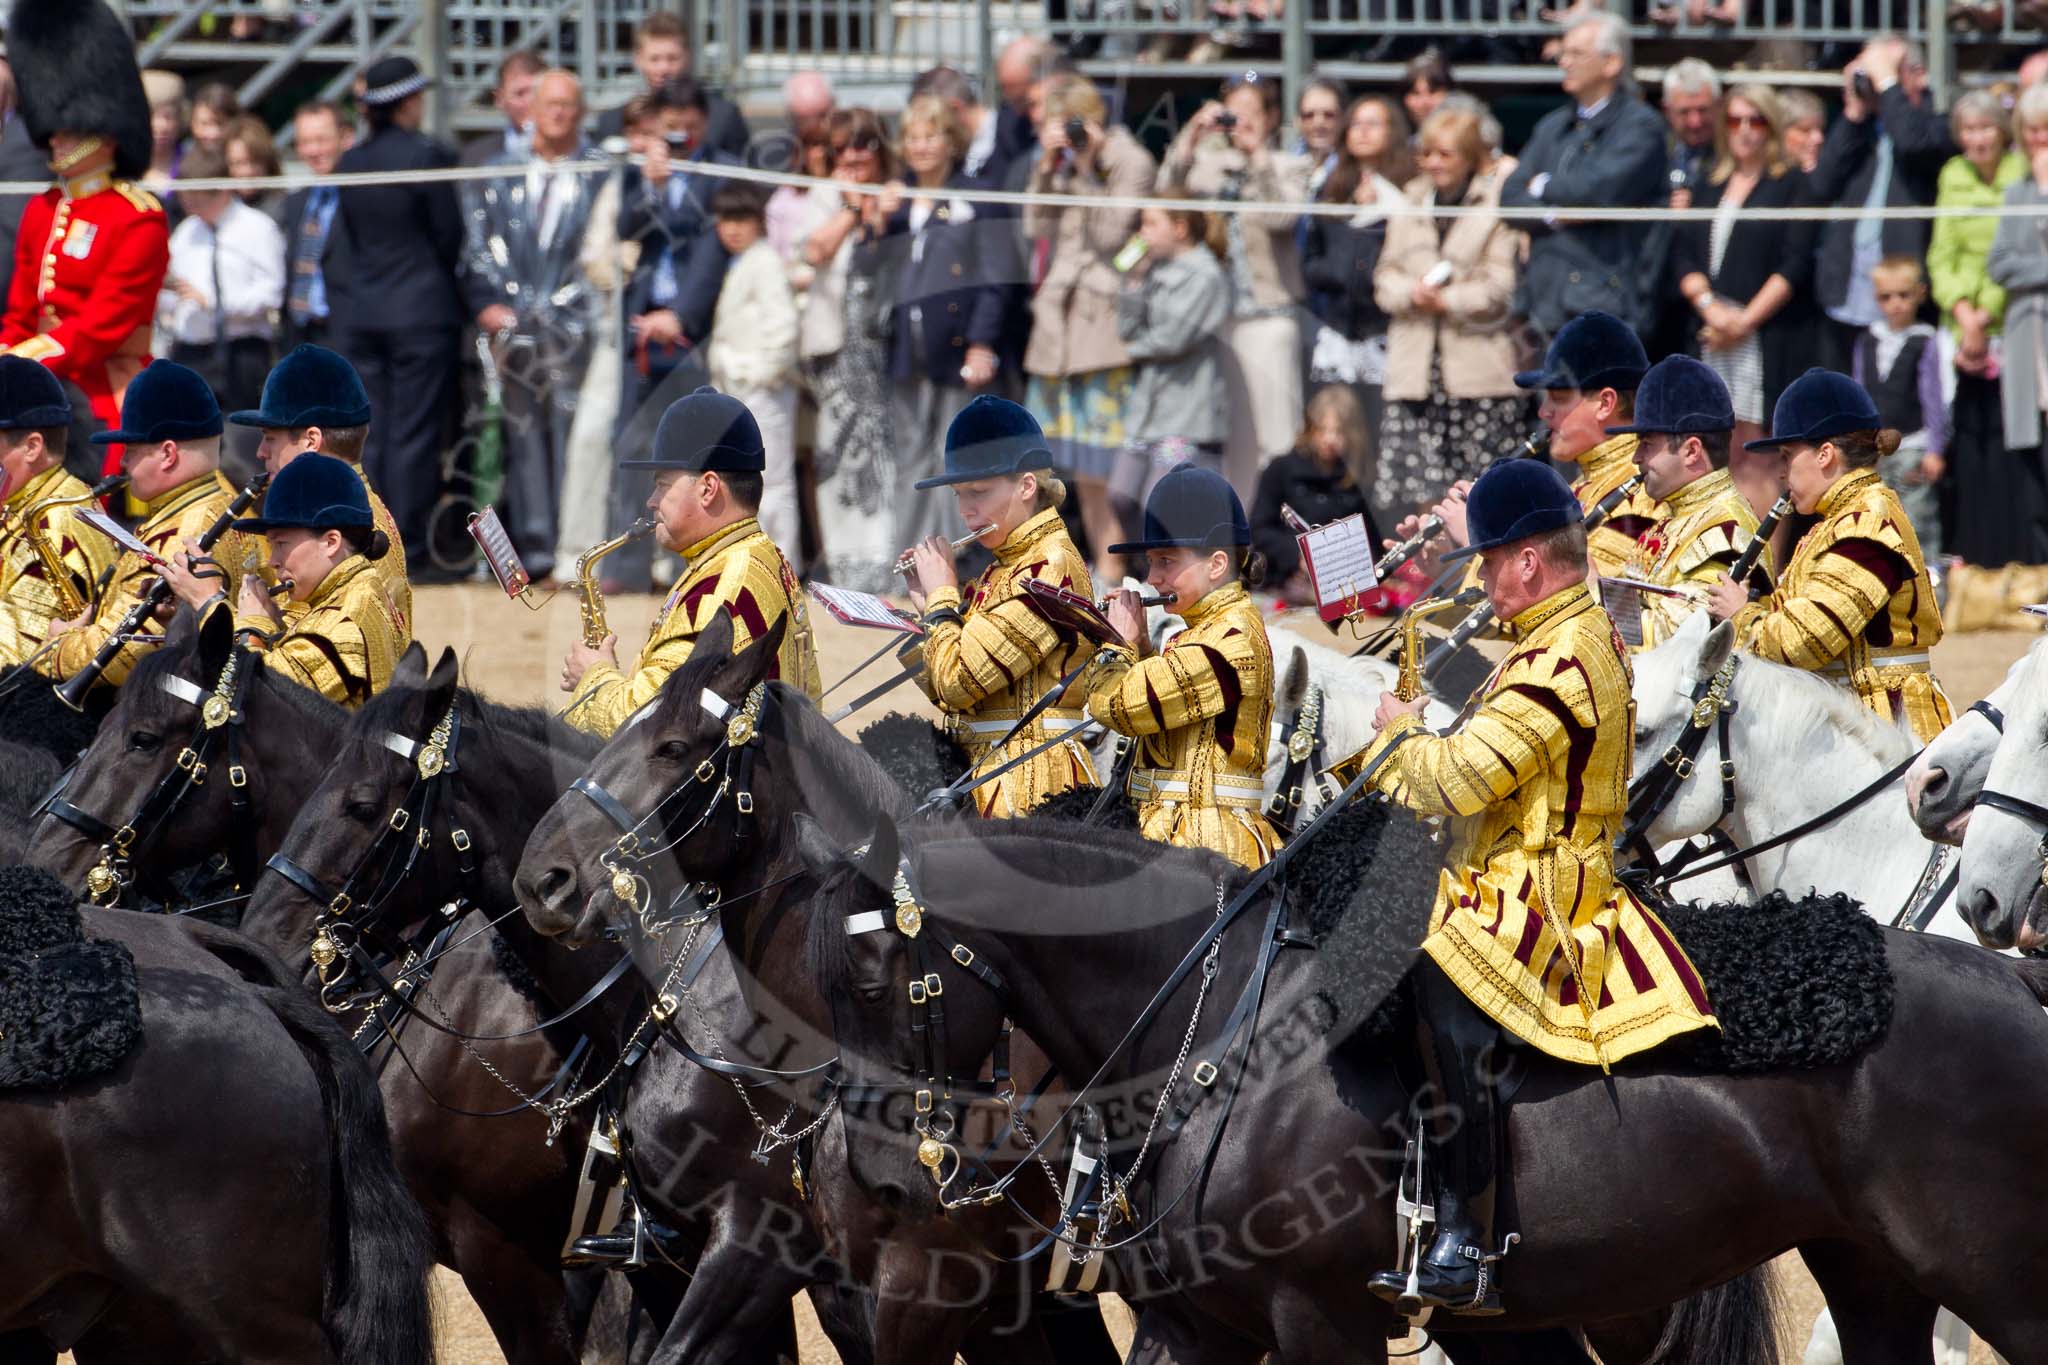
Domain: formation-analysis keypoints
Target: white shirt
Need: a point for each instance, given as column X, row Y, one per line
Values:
column 248, row 251
column 550, row 188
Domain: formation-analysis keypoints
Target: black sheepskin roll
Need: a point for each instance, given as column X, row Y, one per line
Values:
column 1365, row 887
column 37, row 912
column 1796, row 984
column 66, row 1014
column 31, row 714
column 918, row 756
column 1075, row 803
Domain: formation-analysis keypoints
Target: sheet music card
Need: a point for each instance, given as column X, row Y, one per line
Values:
column 1625, row 608
column 113, row 530
column 863, row 609
column 1339, row 560
column 490, row 536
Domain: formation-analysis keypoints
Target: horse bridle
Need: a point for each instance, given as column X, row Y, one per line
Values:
column 2030, row 812
column 632, row 859
column 1711, row 705
column 1302, row 734
column 353, row 907
column 221, row 713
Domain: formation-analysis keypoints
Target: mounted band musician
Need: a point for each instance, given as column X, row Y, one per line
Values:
column 1682, row 425
column 988, row 652
column 1201, row 708
column 708, row 462
column 170, row 433
column 1855, row 603
column 313, row 400
column 345, row 639
column 35, row 521
column 1530, row 932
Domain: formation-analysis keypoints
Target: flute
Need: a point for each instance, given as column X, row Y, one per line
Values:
column 910, row 556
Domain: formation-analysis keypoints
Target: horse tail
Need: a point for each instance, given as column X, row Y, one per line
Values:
column 1737, row 1320
column 377, row 1302
column 2034, row 975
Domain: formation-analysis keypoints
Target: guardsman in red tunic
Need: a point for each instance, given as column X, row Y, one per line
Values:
column 92, row 249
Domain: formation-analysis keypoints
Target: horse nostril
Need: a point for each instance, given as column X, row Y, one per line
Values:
column 554, row 885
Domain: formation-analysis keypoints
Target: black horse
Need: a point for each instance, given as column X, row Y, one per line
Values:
column 752, row 1246
column 801, row 765
column 497, row 1197
column 227, row 1192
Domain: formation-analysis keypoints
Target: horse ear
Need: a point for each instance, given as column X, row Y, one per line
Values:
column 412, row 666
column 739, row 672
column 1716, row 648
column 441, row 684
column 815, row 848
column 1295, row 685
column 885, row 850
column 216, row 642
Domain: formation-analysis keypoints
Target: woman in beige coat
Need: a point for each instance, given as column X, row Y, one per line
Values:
column 1227, row 151
column 1451, row 400
column 1080, row 373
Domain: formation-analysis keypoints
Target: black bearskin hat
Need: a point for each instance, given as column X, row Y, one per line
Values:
column 74, row 65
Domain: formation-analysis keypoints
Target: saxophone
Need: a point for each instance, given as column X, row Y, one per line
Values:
column 69, row 603
column 594, row 627
column 1408, row 683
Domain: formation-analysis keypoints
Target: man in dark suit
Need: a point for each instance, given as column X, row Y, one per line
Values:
column 514, row 99
column 661, row 54
column 1603, row 150
column 314, row 274
column 400, row 319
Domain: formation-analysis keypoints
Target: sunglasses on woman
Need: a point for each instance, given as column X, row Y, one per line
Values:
column 1747, row 121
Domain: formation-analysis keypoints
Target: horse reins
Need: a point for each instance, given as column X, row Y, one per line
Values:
column 221, row 712
column 2030, row 812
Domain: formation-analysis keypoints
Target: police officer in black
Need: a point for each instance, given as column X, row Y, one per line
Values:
column 398, row 317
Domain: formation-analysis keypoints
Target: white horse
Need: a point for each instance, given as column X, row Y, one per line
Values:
column 1942, row 784
column 2003, row 889
column 1800, row 744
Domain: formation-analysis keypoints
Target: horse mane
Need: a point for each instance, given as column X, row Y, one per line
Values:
column 499, row 721
column 305, row 703
column 848, row 766
column 1812, row 698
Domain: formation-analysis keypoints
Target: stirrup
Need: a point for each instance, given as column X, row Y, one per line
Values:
column 1413, row 1221
column 1485, row 1300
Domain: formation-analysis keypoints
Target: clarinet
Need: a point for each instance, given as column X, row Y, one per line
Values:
column 1393, row 559
column 1534, row 446
column 1482, row 616
column 1754, row 551
column 72, row 691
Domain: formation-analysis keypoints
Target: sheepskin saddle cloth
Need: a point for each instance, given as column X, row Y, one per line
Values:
column 69, row 1009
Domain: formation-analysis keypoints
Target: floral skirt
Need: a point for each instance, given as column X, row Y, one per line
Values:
column 1083, row 417
column 1426, row 446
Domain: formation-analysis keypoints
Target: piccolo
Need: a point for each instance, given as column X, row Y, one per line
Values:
column 1754, row 551
column 1393, row 559
column 904, row 564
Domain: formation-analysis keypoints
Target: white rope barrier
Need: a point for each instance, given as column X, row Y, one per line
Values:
column 1561, row 216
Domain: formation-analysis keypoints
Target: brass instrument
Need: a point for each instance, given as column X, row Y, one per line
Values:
column 69, row 603
column 1408, row 684
column 594, row 627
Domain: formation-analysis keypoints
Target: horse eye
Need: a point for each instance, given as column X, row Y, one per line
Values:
column 143, row 742
column 672, row 751
column 873, row 995
column 360, row 805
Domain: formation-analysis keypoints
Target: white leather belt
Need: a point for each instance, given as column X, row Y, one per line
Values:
column 1160, row 784
column 1914, row 659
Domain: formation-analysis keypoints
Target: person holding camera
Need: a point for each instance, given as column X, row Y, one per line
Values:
column 1227, row 151
column 1079, row 370
column 1885, row 151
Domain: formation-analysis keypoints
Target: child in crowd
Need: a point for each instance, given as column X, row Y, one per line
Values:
column 752, row 351
column 1898, row 360
column 1170, row 315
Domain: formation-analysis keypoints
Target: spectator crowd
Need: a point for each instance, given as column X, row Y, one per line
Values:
column 1360, row 358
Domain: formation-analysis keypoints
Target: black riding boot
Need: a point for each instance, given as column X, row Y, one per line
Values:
column 1457, row 1044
